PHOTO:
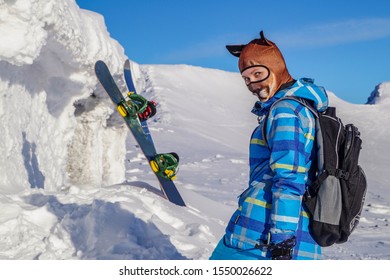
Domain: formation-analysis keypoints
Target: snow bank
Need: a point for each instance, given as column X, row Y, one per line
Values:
column 54, row 131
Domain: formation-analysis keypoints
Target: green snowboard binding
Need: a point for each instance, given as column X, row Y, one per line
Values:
column 133, row 106
column 165, row 165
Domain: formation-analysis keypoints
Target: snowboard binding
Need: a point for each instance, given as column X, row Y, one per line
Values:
column 165, row 165
column 135, row 106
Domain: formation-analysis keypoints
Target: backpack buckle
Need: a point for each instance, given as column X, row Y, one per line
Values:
column 341, row 174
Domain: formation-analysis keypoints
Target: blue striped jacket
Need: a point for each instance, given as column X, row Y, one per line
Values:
column 271, row 208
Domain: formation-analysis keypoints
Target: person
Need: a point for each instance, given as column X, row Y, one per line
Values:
column 271, row 221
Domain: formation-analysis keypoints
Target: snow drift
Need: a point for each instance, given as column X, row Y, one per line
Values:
column 73, row 183
column 47, row 55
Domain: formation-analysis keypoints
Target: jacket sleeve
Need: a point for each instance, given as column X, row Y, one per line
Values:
column 289, row 147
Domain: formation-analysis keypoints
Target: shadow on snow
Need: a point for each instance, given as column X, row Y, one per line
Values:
column 103, row 230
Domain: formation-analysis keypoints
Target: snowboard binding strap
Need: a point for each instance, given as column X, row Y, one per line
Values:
column 133, row 106
column 165, row 165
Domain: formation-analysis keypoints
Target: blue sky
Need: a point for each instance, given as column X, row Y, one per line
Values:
column 344, row 45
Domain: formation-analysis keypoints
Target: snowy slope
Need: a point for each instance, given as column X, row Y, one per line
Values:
column 73, row 184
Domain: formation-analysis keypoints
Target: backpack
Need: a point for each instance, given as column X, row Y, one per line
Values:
column 335, row 198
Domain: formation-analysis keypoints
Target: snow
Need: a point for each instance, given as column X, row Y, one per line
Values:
column 73, row 184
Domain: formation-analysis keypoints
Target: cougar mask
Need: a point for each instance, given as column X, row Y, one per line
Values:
column 262, row 66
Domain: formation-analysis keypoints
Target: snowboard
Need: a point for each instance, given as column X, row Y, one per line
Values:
column 143, row 139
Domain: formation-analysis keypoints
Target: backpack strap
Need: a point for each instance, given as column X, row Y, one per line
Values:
column 304, row 102
column 307, row 104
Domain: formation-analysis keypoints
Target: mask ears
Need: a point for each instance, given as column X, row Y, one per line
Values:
column 263, row 40
column 235, row 49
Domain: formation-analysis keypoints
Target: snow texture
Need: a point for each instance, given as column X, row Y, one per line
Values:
column 73, row 183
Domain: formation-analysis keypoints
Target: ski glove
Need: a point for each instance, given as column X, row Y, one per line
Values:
column 149, row 111
column 283, row 250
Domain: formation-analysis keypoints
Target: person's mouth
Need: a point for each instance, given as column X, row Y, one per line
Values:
column 256, row 93
column 261, row 94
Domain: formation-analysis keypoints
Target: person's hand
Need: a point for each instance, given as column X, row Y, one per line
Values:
column 283, row 250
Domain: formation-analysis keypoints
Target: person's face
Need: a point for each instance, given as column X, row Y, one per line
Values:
column 259, row 81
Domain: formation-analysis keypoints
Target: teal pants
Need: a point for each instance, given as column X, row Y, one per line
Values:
column 223, row 252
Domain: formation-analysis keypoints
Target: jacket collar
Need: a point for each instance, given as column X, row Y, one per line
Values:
column 260, row 109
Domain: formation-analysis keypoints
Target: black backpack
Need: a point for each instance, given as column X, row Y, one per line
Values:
column 336, row 197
